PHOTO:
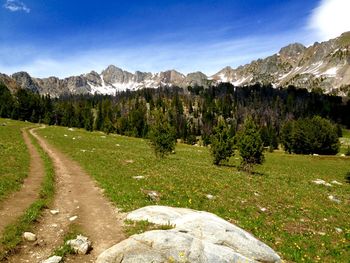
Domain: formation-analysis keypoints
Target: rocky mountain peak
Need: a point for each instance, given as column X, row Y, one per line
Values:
column 292, row 50
column 24, row 80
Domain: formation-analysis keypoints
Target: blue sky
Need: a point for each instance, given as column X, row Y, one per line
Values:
column 63, row 38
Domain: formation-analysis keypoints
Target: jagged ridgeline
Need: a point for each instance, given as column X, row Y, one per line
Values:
column 323, row 67
column 193, row 111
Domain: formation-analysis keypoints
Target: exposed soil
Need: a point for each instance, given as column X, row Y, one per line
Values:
column 15, row 205
column 76, row 194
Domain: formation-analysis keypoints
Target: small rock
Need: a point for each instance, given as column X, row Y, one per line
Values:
column 54, row 225
column 53, row 259
column 138, row 177
column 336, row 182
column 153, row 195
column 65, row 135
column 320, row 181
column 83, row 150
column 256, row 194
column 321, row 233
column 80, row 245
column 73, row 138
column 70, row 129
column 54, row 212
column 129, row 161
column 263, row 209
column 338, row 230
column 29, row 236
column 342, row 155
column 209, row 196
column 315, row 154
column 73, row 218
column 334, row 199
column 118, row 145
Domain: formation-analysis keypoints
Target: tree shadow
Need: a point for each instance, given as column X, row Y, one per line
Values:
column 347, row 177
column 230, row 165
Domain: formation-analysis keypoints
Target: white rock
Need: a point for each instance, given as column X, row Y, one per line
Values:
column 70, row 129
column 209, row 196
column 263, row 209
column 138, row 177
column 336, row 182
column 65, row 135
column 54, row 259
column 118, row 145
column 29, row 236
column 73, row 138
column 320, row 181
column 342, row 155
column 54, row 212
column 80, row 245
column 198, row 236
column 334, row 199
column 73, row 218
column 338, row 230
column 315, row 154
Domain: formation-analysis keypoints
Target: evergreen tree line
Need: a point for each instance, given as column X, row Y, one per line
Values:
column 192, row 112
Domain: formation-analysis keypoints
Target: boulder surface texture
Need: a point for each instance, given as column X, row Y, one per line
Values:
column 197, row 236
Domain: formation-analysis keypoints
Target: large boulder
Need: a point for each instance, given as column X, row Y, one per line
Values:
column 196, row 237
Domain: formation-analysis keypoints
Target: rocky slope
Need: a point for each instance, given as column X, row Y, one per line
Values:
column 324, row 66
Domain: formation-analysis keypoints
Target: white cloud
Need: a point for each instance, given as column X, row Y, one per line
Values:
column 15, row 6
column 330, row 18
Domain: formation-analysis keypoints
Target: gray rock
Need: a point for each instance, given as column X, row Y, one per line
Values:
column 29, row 236
column 54, row 212
column 334, row 199
column 80, row 245
column 53, row 259
column 197, row 237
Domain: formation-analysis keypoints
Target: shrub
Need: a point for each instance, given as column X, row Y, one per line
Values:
column 250, row 145
column 221, row 143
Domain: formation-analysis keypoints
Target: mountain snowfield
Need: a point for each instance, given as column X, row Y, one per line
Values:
column 324, row 66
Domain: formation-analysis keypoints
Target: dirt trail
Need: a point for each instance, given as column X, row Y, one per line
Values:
column 76, row 195
column 15, row 205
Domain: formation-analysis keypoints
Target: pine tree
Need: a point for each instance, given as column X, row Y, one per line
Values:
column 250, row 145
column 162, row 135
column 221, row 146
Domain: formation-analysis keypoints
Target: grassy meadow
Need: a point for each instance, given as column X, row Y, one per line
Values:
column 280, row 205
column 14, row 157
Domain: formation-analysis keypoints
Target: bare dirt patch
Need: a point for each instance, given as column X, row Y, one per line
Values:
column 77, row 195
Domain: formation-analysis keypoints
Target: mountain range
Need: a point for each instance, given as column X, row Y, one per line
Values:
column 323, row 66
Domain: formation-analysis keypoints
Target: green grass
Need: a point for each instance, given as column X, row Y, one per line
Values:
column 14, row 157
column 345, row 142
column 12, row 234
column 300, row 220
